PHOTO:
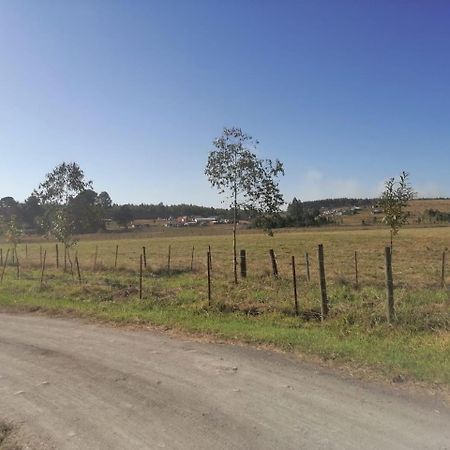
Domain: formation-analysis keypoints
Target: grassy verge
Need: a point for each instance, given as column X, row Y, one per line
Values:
column 417, row 347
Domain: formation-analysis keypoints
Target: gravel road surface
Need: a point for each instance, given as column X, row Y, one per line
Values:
column 68, row 384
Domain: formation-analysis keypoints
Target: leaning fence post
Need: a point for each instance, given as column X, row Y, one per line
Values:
column 243, row 264
column 57, row 255
column 43, row 267
column 4, row 266
column 1, row 256
column 78, row 268
column 323, row 283
column 274, row 263
column 294, row 279
column 389, row 285
column 208, row 264
column 308, row 273
column 443, row 270
column 144, row 256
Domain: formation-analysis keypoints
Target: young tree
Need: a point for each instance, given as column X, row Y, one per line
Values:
column 394, row 200
column 247, row 181
column 13, row 232
column 56, row 193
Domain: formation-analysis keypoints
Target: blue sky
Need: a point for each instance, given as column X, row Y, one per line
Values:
column 345, row 93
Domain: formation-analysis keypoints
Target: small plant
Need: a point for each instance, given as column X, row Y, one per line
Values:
column 394, row 200
column 13, row 233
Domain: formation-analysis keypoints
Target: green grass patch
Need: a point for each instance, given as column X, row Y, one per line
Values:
column 417, row 346
column 259, row 310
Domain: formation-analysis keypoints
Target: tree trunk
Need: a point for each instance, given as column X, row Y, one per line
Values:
column 235, row 247
column 234, row 223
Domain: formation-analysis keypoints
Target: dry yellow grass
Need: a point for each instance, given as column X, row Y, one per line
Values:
column 417, row 252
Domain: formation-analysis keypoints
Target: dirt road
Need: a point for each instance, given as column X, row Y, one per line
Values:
column 72, row 385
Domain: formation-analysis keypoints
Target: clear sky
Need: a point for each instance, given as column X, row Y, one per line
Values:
column 345, row 93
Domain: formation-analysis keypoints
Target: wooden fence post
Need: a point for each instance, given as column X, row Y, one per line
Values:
column 40, row 255
column 144, row 256
column 26, row 251
column 70, row 263
column 78, row 268
column 443, row 270
column 308, row 273
column 4, row 266
column 323, row 283
column 243, row 264
column 57, row 255
column 95, row 258
column 17, row 264
column 356, row 270
column 389, row 285
column 140, row 276
column 65, row 258
column 1, row 256
column 117, row 254
column 43, row 267
column 168, row 259
column 192, row 258
column 274, row 263
column 294, row 279
column 210, row 258
column 208, row 264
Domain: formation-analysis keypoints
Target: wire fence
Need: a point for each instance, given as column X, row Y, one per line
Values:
column 413, row 267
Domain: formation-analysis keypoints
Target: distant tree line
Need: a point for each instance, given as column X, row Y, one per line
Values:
column 344, row 202
column 87, row 212
column 162, row 211
column 298, row 214
column 65, row 205
column 90, row 211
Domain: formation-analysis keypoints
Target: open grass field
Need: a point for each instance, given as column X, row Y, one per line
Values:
column 416, row 208
column 260, row 308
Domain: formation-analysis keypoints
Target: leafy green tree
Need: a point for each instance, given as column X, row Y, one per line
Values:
column 123, row 216
column 104, row 201
column 9, row 208
column 394, row 199
column 247, row 182
column 32, row 211
column 86, row 212
column 296, row 213
column 56, row 193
